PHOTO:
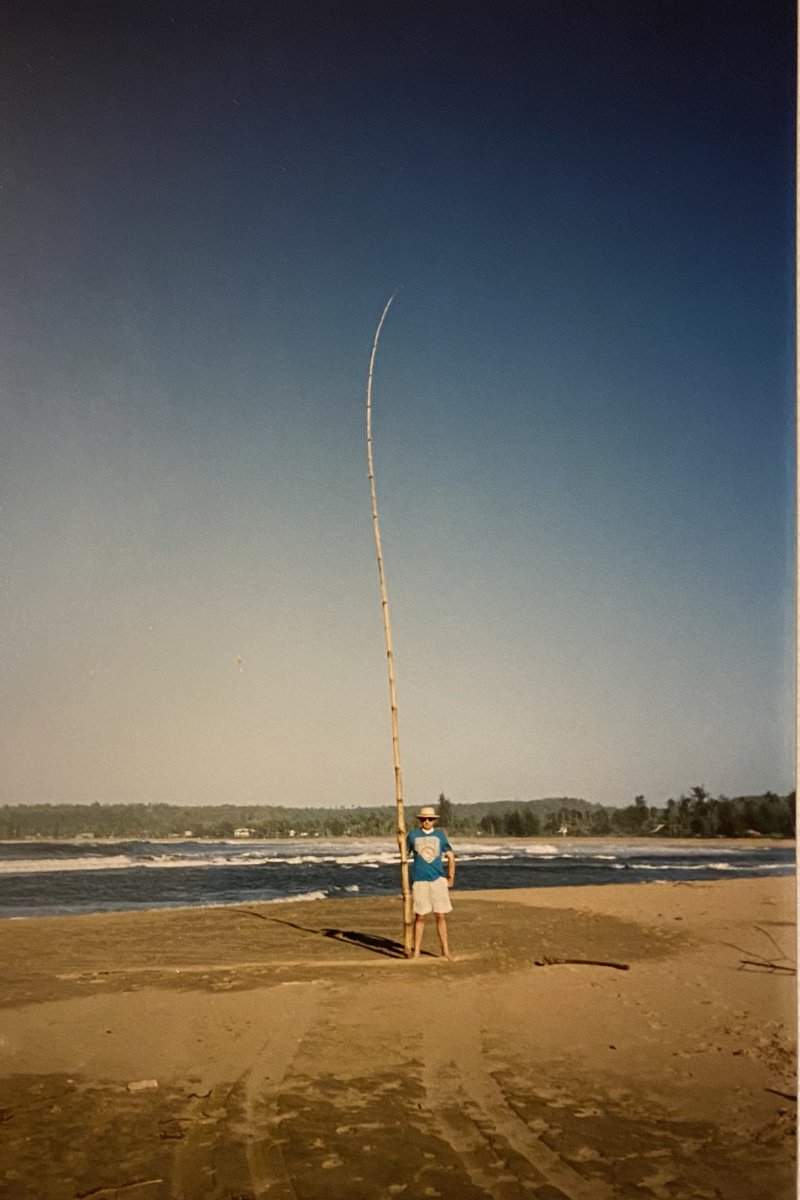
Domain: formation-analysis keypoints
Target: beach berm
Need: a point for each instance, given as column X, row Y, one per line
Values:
column 289, row 1050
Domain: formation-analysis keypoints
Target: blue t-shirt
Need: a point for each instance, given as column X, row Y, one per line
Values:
column 426, row 849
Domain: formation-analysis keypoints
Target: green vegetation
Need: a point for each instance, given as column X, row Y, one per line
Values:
column 693, row 814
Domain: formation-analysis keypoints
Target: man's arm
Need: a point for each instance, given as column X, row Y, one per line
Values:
column 451, row 867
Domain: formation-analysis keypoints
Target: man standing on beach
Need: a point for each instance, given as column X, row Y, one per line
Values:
column 430, row 850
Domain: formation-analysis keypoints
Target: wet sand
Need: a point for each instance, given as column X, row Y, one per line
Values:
column 290, row 1052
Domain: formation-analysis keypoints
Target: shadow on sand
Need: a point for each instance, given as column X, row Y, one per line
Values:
column 353, row 937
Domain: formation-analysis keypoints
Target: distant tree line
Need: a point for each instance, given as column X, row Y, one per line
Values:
column 694, row 814
column 162, row 821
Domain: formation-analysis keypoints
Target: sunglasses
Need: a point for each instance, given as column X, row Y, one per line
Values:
column 424, row 819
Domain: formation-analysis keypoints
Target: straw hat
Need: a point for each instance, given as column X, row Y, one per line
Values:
column 427, row 811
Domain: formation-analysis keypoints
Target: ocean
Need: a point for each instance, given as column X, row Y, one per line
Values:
column 68, row 878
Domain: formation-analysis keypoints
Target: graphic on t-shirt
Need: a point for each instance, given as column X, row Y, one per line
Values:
column 427, row 848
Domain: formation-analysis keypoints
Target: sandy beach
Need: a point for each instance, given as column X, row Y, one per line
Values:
column 290, row 1052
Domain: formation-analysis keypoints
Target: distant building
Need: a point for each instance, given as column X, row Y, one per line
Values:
column 242, row 832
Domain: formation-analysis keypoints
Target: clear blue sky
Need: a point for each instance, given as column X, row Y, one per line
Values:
column 584, row 424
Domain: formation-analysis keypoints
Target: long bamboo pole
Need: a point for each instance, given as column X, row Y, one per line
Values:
column 387, row 629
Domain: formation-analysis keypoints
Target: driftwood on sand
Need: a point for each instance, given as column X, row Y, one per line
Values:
column 764, row 962
column 582, row 962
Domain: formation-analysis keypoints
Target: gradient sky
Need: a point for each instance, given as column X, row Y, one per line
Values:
column 583, row 424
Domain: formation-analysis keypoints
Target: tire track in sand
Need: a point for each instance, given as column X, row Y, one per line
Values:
column 500, row 1153
column 261, row 1170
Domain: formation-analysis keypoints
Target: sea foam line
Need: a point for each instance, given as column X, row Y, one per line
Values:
column 121, row 862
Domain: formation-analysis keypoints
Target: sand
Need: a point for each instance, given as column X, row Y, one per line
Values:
column 288, row 1052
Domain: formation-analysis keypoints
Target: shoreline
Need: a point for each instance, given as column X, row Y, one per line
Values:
column 235, row 1051
column 35, row 886
column 488, row 839
column 524, row 895
column 317, row 895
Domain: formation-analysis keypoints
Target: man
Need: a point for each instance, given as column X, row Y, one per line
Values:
column 430, row 850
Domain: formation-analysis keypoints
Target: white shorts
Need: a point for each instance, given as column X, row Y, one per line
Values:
column 431, row 895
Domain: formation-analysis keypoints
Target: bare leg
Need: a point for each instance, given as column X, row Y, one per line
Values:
column 419, row 929
column 441, row 929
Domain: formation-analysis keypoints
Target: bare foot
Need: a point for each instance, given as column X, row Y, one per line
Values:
column 449, row 957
